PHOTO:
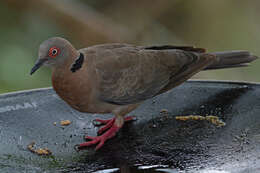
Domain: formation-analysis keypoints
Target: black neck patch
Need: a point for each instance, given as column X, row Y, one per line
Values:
column 78, row 63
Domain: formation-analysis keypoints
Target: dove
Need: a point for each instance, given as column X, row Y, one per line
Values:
column 116, row 78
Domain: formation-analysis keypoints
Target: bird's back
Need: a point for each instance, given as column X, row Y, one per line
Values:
column 129, row 74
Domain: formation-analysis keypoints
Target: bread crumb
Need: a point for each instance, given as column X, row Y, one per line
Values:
column 39, row 151
column 211, row 118
column 65, row 122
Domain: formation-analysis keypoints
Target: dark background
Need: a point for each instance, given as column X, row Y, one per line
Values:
column 215, row 25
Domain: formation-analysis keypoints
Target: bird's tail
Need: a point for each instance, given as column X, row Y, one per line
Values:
column 230, row 59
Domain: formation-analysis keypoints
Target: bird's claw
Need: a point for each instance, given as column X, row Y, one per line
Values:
column 109, row 130
column 108, row 125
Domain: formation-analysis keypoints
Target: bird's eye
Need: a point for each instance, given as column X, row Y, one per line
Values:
column 53, row 52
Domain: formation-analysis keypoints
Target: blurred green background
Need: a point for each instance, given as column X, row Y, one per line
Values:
column 216, row 25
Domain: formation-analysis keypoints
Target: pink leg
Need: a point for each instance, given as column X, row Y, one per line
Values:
column 100, row 140
column 110, row 128
column 108, row 123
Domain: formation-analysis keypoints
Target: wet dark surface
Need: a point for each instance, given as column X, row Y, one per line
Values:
column 156, row 138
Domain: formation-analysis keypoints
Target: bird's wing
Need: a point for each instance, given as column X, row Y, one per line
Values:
column 128, row 74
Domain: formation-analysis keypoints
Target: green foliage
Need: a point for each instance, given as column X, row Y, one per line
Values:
column 215, row 25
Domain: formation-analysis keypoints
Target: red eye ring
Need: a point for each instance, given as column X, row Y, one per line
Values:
column 53, row 52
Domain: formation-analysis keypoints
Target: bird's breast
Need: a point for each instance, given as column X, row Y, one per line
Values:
column 73, row 89
column 79, row 91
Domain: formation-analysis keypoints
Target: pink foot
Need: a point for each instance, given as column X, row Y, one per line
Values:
column 109, row 123
column 100, row 140
column 110, row 130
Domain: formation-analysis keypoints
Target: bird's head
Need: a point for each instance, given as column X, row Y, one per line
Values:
column 53, row 52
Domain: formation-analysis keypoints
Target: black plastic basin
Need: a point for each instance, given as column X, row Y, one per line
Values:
column 156, row 138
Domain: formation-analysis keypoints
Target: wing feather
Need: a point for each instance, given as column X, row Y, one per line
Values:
column 129, row 74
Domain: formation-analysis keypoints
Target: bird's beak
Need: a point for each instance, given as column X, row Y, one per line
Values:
column 37, row 65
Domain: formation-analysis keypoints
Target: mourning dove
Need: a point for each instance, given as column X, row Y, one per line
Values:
column 117, row 78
